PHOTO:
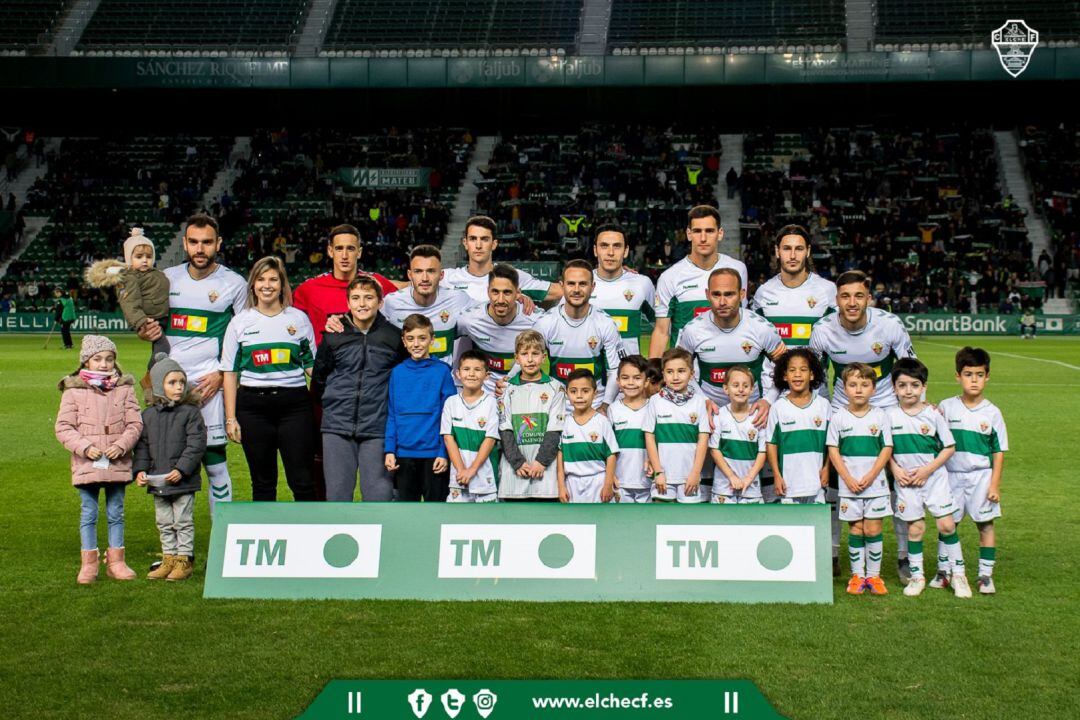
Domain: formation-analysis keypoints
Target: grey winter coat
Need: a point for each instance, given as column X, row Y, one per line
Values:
column 173, row 437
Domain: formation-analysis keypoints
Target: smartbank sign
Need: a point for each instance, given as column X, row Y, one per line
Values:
column 511, row 552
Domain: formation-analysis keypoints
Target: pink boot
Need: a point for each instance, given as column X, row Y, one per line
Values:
column 116, row 568
column 89, row 570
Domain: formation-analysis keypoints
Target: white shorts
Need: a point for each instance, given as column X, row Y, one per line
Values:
column 818, row 499
column 635, row 495
column 969, row 492
column 735, row 499
column 213, row 415
column 852, row 509
column 677, row 493
column 585, row 489
column 457, row 495
column 935, row 496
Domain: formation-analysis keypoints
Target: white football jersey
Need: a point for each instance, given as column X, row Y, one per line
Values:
column 199, row 313
column 682, row 290
column 443, row 314
column 794, row 310
column 592, row 343
column 470, row 425
column 586, row 447
column 979, row 434
column 799, row 436
column 495, row 341
column 740, row 443
column 476, row 286
column 626, row 299
column 716, row 349
column 919, row 438
column 629, row 425
column 860, row 441
column 676, row 428
column 269, row 351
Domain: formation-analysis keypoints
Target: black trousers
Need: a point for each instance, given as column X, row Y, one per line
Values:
column 271, row 420
column 415, row 479
column 65, row 332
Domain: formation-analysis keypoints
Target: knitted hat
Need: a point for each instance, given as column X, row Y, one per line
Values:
column 92, row 345
column 137, row 238
column 163, row 365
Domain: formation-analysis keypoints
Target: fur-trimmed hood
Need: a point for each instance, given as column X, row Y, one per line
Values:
column 105, row 273
column 74, row 381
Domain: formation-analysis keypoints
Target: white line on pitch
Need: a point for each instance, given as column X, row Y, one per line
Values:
column 1012, row 355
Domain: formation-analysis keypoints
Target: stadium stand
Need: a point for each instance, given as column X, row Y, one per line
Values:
column 546, row 192
column 971, row 21
column 919, row 209
column 23, row 23
column 1052, row 161
column 453, row 24
column 642, row 24
column 151, row 25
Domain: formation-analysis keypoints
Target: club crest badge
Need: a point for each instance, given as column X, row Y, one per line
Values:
column 984, row 426
column 544, row 397
column 213, row 295
column 924, row 429
column 593, row 342
column 444, row 315
column 874, row 430
column 481, row 421
column 1014, row 43
column 811, row 301
column 877, row 348
column 843, row 507
column 752, row 435
column 817, row 421
column 693, row 418
column 720, row 499
column 291, row 329
column 746, row 347
column 629, row 295
column 594, row 436
column 900, row 507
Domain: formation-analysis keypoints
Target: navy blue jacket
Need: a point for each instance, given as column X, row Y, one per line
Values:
column 418, row 389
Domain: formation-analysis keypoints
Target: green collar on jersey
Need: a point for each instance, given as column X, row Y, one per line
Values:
column 516, row 380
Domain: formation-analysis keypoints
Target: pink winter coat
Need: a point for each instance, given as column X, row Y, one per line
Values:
column 90, row 417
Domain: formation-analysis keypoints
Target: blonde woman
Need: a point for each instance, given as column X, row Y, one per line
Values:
column 267, row 354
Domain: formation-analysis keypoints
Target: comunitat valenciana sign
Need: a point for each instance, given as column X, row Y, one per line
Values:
column 766, row 553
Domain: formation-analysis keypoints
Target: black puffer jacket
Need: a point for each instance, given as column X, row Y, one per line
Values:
column 352, row 376
column 173, row 437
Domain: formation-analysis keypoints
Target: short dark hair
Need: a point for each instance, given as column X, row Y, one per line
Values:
column 202, row 220
column 655, row 371
column 910, row 367
column 726, row 271
column 416, row 321
column 677, row 353
column 849, row 277
column 577, row 265
column 364, row 281
column 638, row 362
column 579, row 373
column 480, row 221
column 473, row 355
column 427, row 251
column 343, row 229
column 506, row 272
column 609, row 227
column 703, row 211
column 969, row 356
column 817, row 372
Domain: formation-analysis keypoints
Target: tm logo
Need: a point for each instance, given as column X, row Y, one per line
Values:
column 300, row 550
column 268, row 552
column 518, row 551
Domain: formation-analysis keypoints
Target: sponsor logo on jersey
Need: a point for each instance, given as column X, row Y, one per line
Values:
column 213, row 295
column 817, row 421
column 877, row 348
column 701, row 310
column 772, row 302
column 811, row 301
column 787, row 331
column 291, row 329
column 718, row 375
column 593, row 342
column 444, row 316
column 270, row 356
column 594, row 436
column 563, row 370
column 190, row 323
column 924, row 429
column 480, row 421
column 874, row 430
column 458, row 419
column 747, row 347
column 787, row 422
column 691, row 286
column 499, row 364
column 629, row 295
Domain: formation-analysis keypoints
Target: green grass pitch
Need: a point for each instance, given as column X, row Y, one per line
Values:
column 157, row 650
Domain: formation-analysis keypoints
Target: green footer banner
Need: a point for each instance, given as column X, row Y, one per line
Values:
column 535, row 699
column 535, row 552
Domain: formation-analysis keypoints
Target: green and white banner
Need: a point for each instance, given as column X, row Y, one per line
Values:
column 438, row 551
column 385, row 177
column 474, row 699
column 949, row 324
column 95, row 322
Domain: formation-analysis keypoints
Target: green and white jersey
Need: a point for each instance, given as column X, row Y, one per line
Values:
column 529, row 410
column 794, row 310
column 269, row 351
column 626, row 299
column 878, row 344
column 495, row 341
column 860, row 441
column 799, row 436
column 740, row 443
column 716, row 349
column 979, row 434
column 682, row 291
column 443, row 314
column 592, row 343
column 919, row 438
column 676, row 428
column 470, row 425
column 629, row 429
column 586, row 447
column 199, row 312
column 476, row 286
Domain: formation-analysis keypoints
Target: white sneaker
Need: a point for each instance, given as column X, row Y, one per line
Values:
column 915, row 586
column 940, row 581
column 960, row 586
column 986, row 585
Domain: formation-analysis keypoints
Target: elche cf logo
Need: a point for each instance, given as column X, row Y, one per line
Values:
column 629, row 295
column 1015, row 43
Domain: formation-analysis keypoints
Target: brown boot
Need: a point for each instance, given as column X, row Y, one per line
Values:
column 116, row 568
column 89, row 569
column 181, row 569
column 161, row 572
column 147, row 388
